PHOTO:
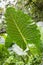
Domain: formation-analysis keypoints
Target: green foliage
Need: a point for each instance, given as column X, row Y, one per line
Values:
column 36, row 8
column 21, row 28
column 32, row 60
column 32, row 7
column 3, row 53
column 13, row 60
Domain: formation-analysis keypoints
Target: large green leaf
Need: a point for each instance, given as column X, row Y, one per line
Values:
column 21, row 28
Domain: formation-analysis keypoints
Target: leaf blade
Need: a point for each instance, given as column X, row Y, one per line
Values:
column 21, row 29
